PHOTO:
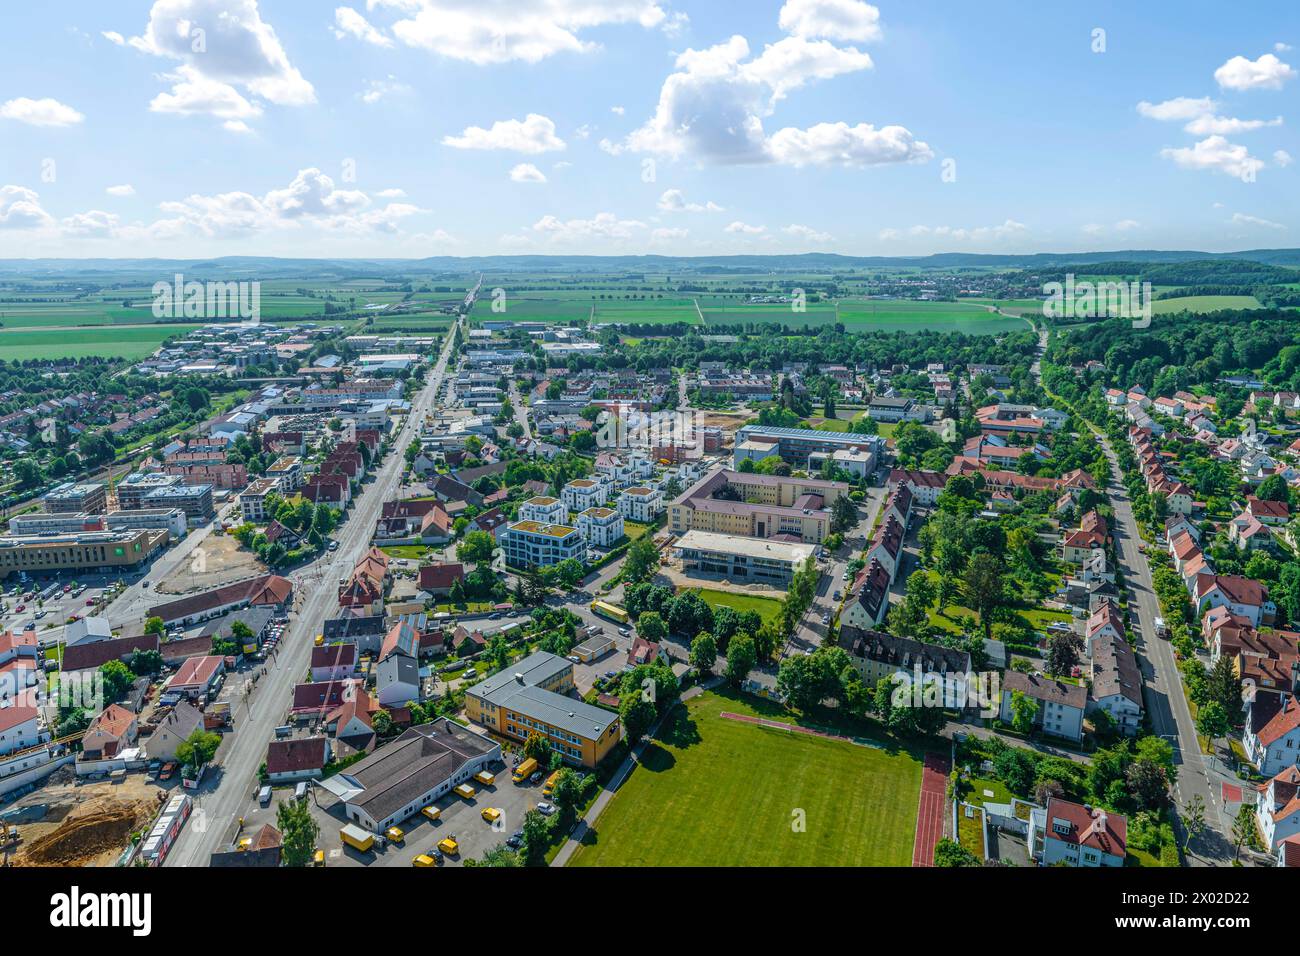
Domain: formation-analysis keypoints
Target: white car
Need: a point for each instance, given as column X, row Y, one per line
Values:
column 545, row 809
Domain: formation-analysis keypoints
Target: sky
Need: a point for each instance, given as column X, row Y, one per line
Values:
column 410, row 128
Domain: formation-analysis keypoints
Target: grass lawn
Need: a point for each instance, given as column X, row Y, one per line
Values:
column 635, row 529
column 767, row 608
column 411, row 552
column 680, row 807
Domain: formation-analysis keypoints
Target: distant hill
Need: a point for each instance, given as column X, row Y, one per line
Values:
column 269, row 267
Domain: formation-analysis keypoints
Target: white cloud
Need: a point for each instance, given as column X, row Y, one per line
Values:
column 602, row 226
column 42, row 112
column 237, row 126
column 113, row 37
column 1200, row 116
column 222, row 46
column 1215, row 153
column 839, row 143
column 1179, row 108
column 806, row 233
column 714, row 105
column 674, row 200
column 1241, row 219
column 668, row 234
column 1281, row 47
column 834, row 19
column 20, row 208
column 349, row 22
column 1281, row 157
column 1124, row 225
column 1265, row 73
column 377, row 90
column 790, row 63
column 617, row 110
column 94, row 224
column 500, row 31
column 391, row 193
column 122, row 191
column 193, row 94
column 310, row 199
column 533, row 134
column 1009, row 228
column 745, row 229
column 527, row 173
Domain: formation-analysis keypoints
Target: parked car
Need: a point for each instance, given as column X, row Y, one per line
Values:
column 544, row 808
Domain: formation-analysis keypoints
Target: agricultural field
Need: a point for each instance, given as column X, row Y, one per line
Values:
column 1204, row 303
column 129, row 342
column 132, row 304
column 678, row 808
column 903, row 315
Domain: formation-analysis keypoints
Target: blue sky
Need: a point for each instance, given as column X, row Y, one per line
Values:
column 467, row 127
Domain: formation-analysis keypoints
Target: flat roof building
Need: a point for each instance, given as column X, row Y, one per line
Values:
column 757, row 506
column 401, row 778
column 91, row 550
column 530, row 696
column 77, row 498
column 796, row 444
column 741, row 560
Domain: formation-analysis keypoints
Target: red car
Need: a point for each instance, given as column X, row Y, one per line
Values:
column 21, row 607
column 90, row 602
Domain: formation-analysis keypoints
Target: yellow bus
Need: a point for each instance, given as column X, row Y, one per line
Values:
column 611, row 611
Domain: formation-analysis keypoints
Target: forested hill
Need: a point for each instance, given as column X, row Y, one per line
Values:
column 259, row 266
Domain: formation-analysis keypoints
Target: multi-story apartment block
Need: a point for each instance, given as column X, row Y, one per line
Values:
column 641, row 504
column 530, row 544
column 601, row 527
column 583, row 493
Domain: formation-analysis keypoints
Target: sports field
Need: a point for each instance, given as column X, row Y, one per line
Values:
column 124, row 342
column 711, row 791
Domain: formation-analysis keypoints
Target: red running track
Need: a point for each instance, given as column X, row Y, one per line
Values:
column 929, row 815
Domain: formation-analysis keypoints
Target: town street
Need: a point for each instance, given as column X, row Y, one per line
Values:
column 225, row 793
column 1169, row 715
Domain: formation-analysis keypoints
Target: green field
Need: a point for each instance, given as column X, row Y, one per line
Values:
column 130, row 342
column 767, row 608
column 902, row 315
column 1204, row 303
column 715, row 792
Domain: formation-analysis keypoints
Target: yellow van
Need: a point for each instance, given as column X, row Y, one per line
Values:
column 320, row 640
column 490, row 814
column 485, row 778
column 449, row 846
column 431, row 812
column 466, row 791
column 549, row 786
column 423, row 860
column 395, row 834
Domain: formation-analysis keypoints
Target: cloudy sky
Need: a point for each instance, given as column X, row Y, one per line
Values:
column 467, row 127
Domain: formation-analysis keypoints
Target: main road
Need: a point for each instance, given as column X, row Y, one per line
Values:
column 1170, row 716
column 220, row 802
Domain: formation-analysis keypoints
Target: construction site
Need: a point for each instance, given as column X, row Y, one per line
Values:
column 66, row 823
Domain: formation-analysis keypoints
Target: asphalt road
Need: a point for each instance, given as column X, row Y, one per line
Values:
column 1162, row 691
column 227, row 790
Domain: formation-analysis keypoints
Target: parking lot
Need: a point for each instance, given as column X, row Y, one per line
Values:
column 460, row 819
